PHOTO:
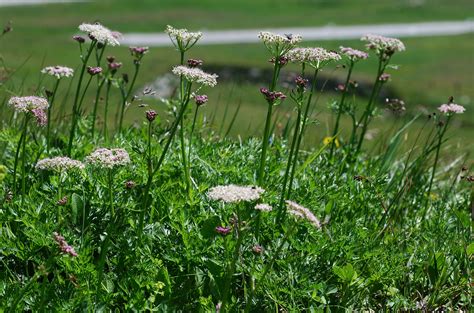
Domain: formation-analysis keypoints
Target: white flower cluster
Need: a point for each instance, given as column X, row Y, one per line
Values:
column 100, row 33
column 451, row 108
column 108, row 158
column 181, row 38
column 315, row 57
column 234, row 193
column 28, row 104
column 59, row 164
column 58, row 71
column 265, row 207
column 277, row 44
column 383, row 44
column 353, row 54
column 196, row 75
column 300, row 211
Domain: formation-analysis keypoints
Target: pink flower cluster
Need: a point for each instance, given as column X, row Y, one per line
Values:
column 353, row 54
column 63, row 245
column 300, row 211
column 451, row 108
column 272, row 96
column 31, row 104
column 108, row 158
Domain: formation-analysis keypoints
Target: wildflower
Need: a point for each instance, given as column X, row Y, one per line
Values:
column 138, row 52
column 224, row 231
column 234, row 193
column 272, row 96
column 195, row 75
column 341, row 87
column 200, row 99
column 28, row 104
column 63, row 245
column 277, row 44
column 315, row 57
column 94, row 70
column 151, row 115
column 283, row 60
column 299, row 211
column 41, row 117
column 384, row 77
column 130, row 184
column 79, row 39
column 257, row 249
column 397, row 106
column 108, row 158
column 353, row 54
column 62, row 201
column 329, row 140
column 100, row 33
column 194, row 63
column 181, row 38
column 58, row 71
column 59, row 164
column 263, row 207
column 114, row 66
column 451, row 108
column 383, row 45
column 301, row 82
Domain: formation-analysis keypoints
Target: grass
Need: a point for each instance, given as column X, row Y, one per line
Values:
column 149, row 229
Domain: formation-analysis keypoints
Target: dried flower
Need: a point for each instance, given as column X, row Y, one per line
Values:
column 181, row 38
column 63, row 245
column 451, row 108
column 224, row 231
column 94, row 70
column 58, row 71
column 100, row 33
column 151, row 115
column 397, row 106
column 272, row 96
column 59, row 164
column 200, row 99
column 234, row 193
column 130, row 184
column 108, row 158
column 194, row 63
column 277, row 44
column 28, row 104
column 353, row 54
column 315, row 57
column 62, row 201
column 300, row 211
column 265, row 207
column 41, row 117
column 196, row 75
column 383, row 45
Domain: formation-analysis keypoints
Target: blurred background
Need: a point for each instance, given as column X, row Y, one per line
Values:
column 432, row 69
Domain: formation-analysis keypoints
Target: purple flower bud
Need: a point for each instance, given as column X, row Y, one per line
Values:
column 110, row 59
column 138, row 52
column 272, row 96
column 200, row 99
column 224, row 231
column 151, row 115
column 62, row 201
column 79, row 39
column 41, row 117
column 384, row 77
column 114, row 66
column 94, row 70
column 301, row 82
column 194, row 62
column 130, row 184
column 63, row 245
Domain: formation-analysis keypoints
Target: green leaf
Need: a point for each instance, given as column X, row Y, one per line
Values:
column 77, row 205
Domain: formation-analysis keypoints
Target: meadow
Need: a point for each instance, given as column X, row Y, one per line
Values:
column 194, row 208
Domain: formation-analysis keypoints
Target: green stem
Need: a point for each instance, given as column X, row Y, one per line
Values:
column 17, row 153
column 23, row 161
column 96, row 104
column 50, row 109
column 148, row 184
column 106, row 110
column 127, row 95
column 76, row 98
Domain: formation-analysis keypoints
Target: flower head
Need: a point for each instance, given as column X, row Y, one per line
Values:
column 59, row 164
column 353, row 54
column 195, row 75
column 100, row 33
column 301, row 212
column 63, row 245
column 58, row 71
column 79, row 39
column 383, row 45
column 200, row 99
column 138, row 52
column 452, row 108
column 277, row 44
column 41, row 117
column 194, row 62
column 151, row 115
column 224, row 231
column 181, row 38
column 108, row 158
column 94, row 70
column 234, row 193
column 27, row 104
column 272, row 96
column 263, row 207
column 315, row 57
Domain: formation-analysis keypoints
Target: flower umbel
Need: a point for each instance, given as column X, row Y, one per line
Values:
column 28, row 104
column 58, row 71
column 300, row 211
column 100, row 33
column 59, row 164
column 234, row 193
column 195, row 75
column 315, row 57
column 451, row 108
column 108, row 158
column 263, row 207
column 383, row 45
column 181, row 38
column 277, row 44
column 353, row 54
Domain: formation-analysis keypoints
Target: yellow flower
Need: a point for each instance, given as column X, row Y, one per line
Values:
column 328, row 140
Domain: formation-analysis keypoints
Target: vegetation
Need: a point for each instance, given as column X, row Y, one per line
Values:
column 173, row 215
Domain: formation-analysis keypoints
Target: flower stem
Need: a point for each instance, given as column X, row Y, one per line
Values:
column 127, row 95
column 106, row 110
column 48, row 126
column 17, row 153
column 23, row 161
